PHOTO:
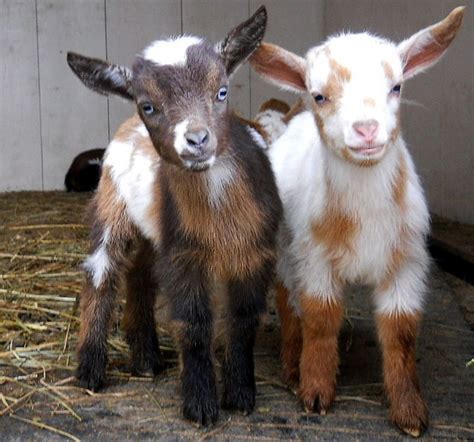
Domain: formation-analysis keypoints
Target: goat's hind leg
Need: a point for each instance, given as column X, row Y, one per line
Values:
column 139, row 319
column 104, row 267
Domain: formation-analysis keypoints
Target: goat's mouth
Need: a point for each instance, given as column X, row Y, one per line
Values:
column 367, row 150
column 199, row 164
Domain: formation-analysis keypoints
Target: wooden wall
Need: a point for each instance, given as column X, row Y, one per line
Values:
column 47, row 116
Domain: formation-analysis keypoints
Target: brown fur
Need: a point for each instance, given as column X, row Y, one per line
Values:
column 397, row 334
column 388, row 70
column 290, row 335
column 320, row 323
column 227, row 233
column 370, row 102
column 276, row 105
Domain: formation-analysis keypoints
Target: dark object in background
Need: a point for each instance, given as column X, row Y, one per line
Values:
column 85, row 170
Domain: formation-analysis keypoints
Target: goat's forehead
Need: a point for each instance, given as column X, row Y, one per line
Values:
column 360, row 56
column 173, row 51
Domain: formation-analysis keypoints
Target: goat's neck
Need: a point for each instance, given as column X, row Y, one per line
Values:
column 359, row 186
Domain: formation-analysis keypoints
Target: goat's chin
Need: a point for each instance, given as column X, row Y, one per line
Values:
column 199, row 166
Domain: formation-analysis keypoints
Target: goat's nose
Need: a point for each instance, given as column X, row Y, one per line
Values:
column 197, row 138
column 367, row 129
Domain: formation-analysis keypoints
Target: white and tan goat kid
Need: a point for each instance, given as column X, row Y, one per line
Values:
column 354, row 207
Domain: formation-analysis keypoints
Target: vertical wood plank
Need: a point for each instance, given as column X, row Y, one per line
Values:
column 295, row 25
column 74, row 119
column 20, row 142
column 131, row 26
column 214, row 19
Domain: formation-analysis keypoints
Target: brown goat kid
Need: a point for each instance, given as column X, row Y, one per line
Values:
column 187, row 181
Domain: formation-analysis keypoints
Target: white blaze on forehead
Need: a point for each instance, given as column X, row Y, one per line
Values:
column 170, row 52
column 179, row 131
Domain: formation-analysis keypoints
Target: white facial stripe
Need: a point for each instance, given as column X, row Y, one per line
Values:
column 170, row 52
column 98, row 263
column 257, row 138
column 179, row 140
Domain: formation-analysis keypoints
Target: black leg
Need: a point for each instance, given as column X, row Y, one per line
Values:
column 139, row 318
column 246, row 304
column 188, row 290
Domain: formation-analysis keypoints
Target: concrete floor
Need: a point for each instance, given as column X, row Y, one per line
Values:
column 142, row 408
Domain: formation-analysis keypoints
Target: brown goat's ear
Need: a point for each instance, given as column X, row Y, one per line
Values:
column 101, row 76
column 423, row 49
column 242, row 41
column 280, row 67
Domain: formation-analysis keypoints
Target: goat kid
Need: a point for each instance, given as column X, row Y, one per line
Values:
column 186, row 180
column 354, row 210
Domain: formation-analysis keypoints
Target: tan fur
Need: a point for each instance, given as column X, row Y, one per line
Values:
column 320, row 323
column 296, row 109
column 276, row 105
column 397, row 334
column 290, row 335
column 274, row 62
column 388, row 71
column 370, row 102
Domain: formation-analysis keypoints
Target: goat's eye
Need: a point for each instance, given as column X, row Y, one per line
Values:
column 396, row 89
column 320, row 99
column 148, row 109
column 222, row 94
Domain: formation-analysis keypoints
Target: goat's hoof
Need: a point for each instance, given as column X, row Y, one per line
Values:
column 242, row 399
column 90, row 378
column 411, row 417
column 147, row 366
column 201, row 411
column 317, row 399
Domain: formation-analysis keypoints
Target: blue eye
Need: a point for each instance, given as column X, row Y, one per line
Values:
column 222, row 94
column 396, row 89
column 320, row 99
column 148, row 109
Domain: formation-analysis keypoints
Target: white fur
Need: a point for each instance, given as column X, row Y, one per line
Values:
column 95, row 162
column 134, row 172
column 170, row 52
column 304, row 166
column 257, row 138
column 218, row 178
column 98, row 263
column 180, row 142
column 272, row 123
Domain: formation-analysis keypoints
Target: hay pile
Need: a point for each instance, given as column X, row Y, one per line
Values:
column 43, row 240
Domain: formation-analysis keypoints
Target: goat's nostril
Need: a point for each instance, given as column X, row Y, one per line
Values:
column 197, row 138
column 367, row 128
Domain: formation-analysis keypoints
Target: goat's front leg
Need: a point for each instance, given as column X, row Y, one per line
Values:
column 187, row 287
column 246, row 304
column 104, row 267
column 398, row 315
column 139, row 319
column 320, row 323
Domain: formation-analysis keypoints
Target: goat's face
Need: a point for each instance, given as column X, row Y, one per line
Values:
column 354, row 81
column 180, row 88
column 353, row 84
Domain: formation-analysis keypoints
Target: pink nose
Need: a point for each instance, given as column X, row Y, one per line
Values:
column 366, row 129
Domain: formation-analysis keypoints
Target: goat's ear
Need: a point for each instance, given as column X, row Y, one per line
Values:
column 101, row 76
column 280, row 67
column 423, row 49
column 242, row 41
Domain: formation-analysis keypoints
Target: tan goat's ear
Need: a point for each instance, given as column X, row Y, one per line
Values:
column 280, row 67
column 423, row 49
